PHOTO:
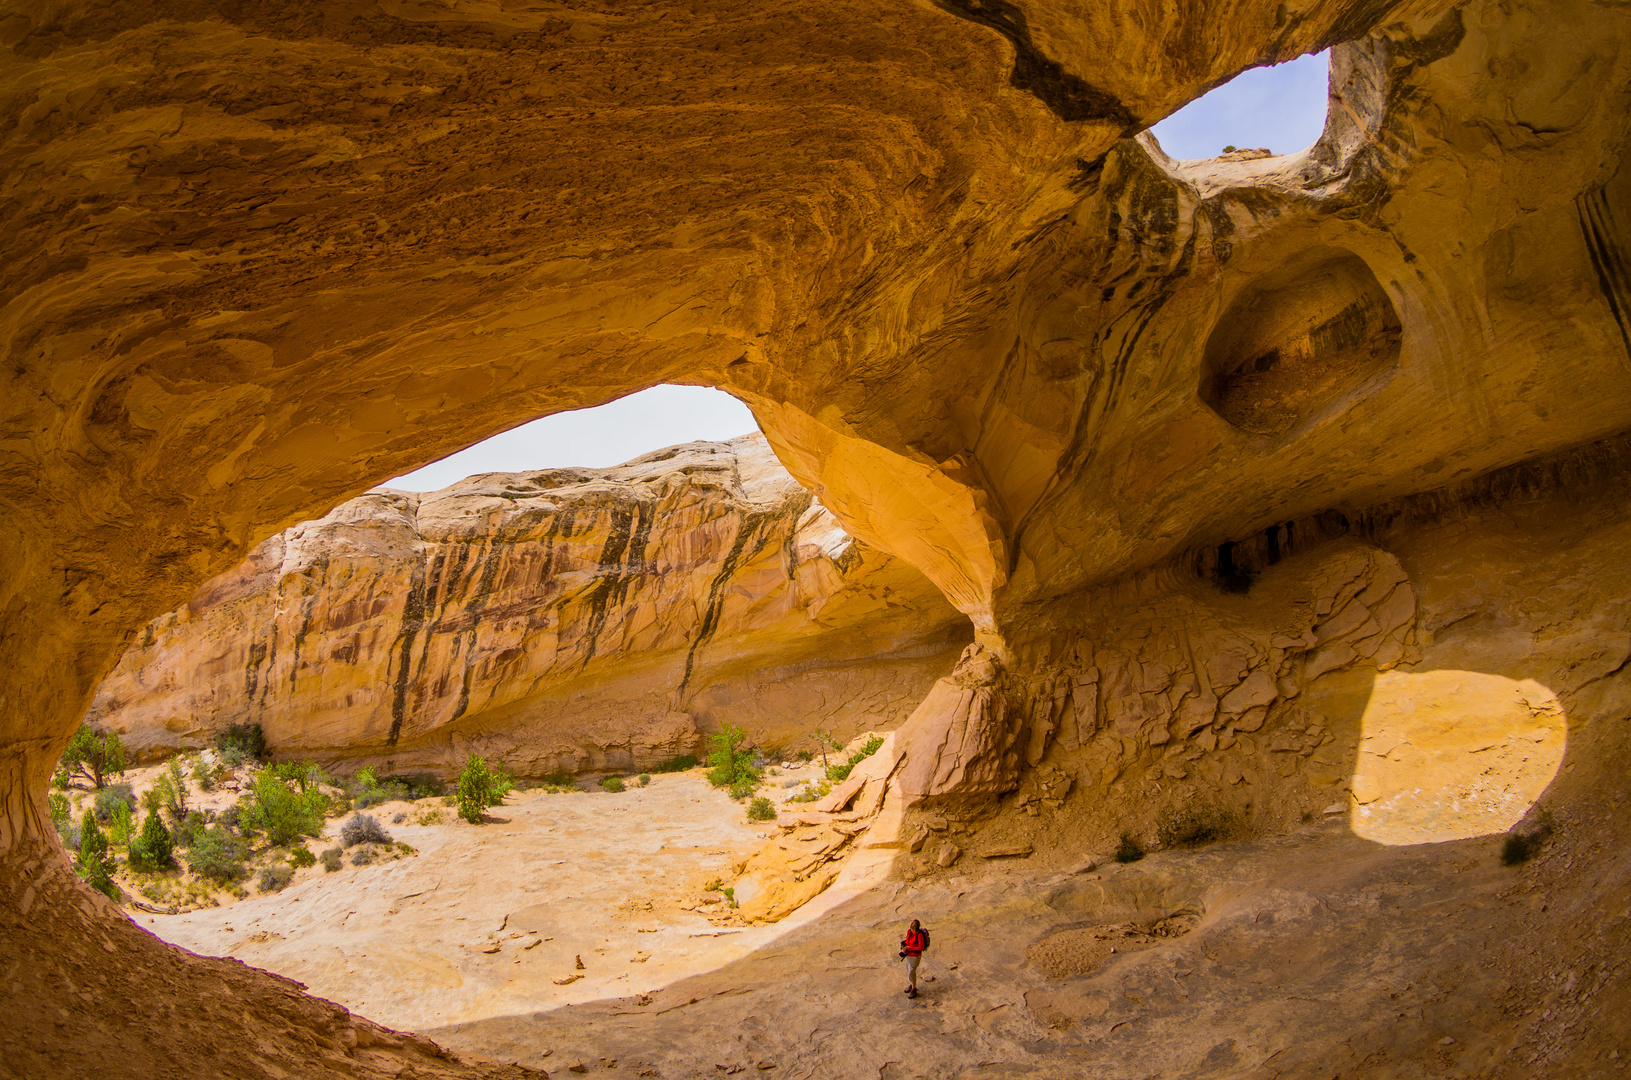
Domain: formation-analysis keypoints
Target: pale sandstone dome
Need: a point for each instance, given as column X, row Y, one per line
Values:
column 576, row 619
column 257, row 260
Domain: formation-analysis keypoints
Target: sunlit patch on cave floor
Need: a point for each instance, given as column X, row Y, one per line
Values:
column 1448, row 755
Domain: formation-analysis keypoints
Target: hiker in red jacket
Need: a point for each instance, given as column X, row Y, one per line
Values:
column 911, row 947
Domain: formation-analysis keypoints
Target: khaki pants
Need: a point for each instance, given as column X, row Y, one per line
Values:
column 911, row 969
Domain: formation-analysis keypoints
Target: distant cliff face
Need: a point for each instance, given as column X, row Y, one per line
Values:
column 576, row 619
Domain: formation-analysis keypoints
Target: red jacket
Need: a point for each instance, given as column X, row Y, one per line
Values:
column 914, row 943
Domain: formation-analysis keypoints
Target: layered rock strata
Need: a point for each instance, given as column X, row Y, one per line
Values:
column 574, row 619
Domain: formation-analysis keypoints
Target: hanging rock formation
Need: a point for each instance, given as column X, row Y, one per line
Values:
column 571, row 619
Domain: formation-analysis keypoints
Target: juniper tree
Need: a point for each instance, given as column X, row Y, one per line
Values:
column 96, row 863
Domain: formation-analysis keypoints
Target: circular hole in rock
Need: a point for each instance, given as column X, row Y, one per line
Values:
column 1297, row 340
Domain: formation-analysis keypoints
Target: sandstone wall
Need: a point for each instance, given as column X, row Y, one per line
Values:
column 569, row 619
column 257, row 259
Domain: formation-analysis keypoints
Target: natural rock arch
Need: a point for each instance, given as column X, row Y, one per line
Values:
column 256, row 262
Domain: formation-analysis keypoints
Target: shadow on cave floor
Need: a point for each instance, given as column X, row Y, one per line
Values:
column 1310, row 952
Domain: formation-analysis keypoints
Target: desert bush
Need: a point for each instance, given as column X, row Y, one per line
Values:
column 761, row 809
column 679, row 764
column 418, row 785
column 216, row 854
column 188, row 828
column 1130, row 850
column 93, row 757
column 207, row 771
column 111, row 796
column 96, row 863
column 479, row 788
column 151, row 849
column 119, row 826
column 560, row 778
column 283, row 814
column 825, row 742
column 406, row 848
column 868, row 748
column 812, row 792
column 374, row 796
column 399, row 817
column 305, row 774
column 169, row 792
column 362, row 856
column 805, row 755
column 611, row 783
column 240, row 743
column 331, row 859
column 432, row 816
column 62, row 816
column 839, row 773
column 730, row 766
column 363, row 829
column 300, row 855
column 275, row 878
column 645, row 779
column 1194, row 824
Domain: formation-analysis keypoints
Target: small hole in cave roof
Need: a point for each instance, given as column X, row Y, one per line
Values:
column 595, row 438
column 1279, row 108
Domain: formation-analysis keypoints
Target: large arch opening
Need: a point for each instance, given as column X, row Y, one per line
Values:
column 583, row 605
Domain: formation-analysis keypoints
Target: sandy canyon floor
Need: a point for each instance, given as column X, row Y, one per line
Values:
column 485, row 919
column 1314, row 954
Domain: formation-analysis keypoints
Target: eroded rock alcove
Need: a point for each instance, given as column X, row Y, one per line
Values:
column 255, row 262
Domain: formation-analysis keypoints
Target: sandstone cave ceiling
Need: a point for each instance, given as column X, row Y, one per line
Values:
column 256, row 261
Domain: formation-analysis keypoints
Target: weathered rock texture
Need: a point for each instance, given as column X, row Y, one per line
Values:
column 570, row 619
column 256, row 259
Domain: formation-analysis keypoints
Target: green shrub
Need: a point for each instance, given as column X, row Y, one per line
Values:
column 611, row 783
column 300, row 855
column 207, row 772
column 111, row 796
column 93, row 757
column 1130, row 850
column 283, row 814
column 1194, row 824
column 805, row 755
column 384, row 793
column 679, row 764
column 479, row 788
column 216, row 854
column 169, row 792
column 188, row 828
column 418, row 785
column 362, row 856
column 363, row 829
column 645, row 779
column 240, row 743
column 811, row 792
column 331, row 859
column 96, row 863
column 307, row 774
column 761, row 810
column 839, row 773
column 275, row 878
column 868, row 748
column 730, row 766
column 150, row 850
column 119, row 826
column 62, row 816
